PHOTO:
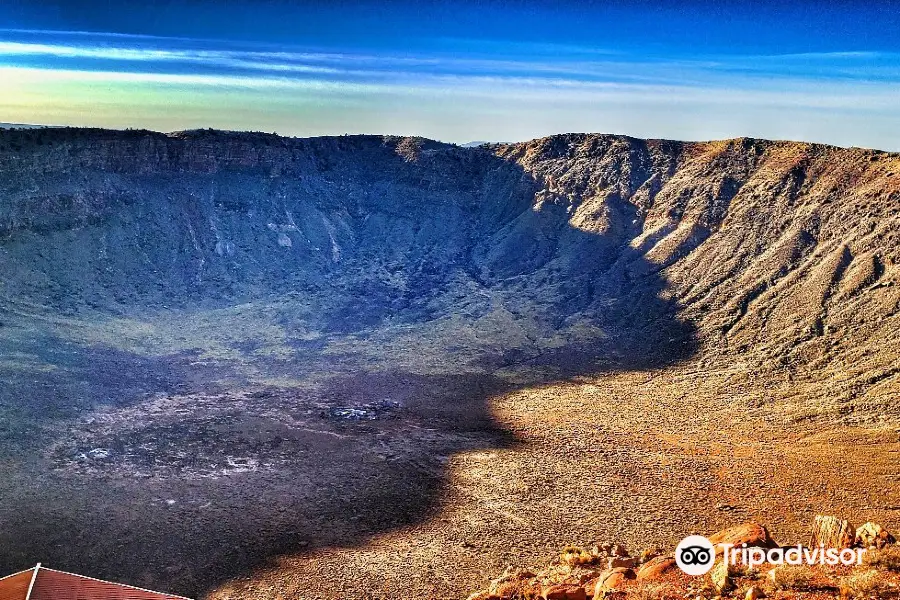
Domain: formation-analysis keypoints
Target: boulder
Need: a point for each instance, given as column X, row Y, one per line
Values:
column 564, row 591
column 754, row 593
column 873, row 535
column 601, row 549
column 648, row 554
column 620, row 561
column 753, row 535
column 515, row 589
column 656, row 567
column 720, row 575
column 484, row 596
column 832, row 532
column 612, row 579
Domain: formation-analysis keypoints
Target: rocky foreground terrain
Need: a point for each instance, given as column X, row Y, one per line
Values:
column 606, row 572
column 244, row 366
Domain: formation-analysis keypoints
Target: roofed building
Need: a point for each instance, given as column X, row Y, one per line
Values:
column 41, row 583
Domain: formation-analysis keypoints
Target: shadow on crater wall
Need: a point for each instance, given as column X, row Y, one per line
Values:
column 185, row 511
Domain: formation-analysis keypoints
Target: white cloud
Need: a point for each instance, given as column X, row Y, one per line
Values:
column 845, row 98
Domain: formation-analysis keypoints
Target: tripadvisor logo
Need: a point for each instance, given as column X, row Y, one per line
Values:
column 695, row 555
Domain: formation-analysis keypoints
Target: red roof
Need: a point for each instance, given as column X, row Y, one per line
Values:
column 41, row 583
column 15, row 587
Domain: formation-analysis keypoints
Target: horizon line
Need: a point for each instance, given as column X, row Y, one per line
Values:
column 33, row 126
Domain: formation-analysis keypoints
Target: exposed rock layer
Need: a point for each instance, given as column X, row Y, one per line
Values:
column 783, row 255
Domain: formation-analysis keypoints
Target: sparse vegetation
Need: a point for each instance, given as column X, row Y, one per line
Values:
column 517, row 590
column 791, row 578
column 656, row 592
column 885, row 559
column 748, row 572
column 574, row 556
column 862, row 584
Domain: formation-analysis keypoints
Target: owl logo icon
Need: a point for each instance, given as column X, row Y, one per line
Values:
column 695, row 555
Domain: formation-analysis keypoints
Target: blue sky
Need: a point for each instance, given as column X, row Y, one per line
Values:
column 459, row 71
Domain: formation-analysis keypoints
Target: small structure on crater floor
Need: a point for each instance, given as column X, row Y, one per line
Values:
column 41, row 583
column 371, row 411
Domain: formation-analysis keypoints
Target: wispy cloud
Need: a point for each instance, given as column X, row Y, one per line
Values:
column 25, row 75
column 455, row 92
column 247, row 60
column 543, row 61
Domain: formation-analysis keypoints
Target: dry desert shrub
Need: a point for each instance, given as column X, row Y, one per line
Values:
column 575, row 556
column 517, row 590
column 884, row 559
column 742, row 570
column 657, row 592
column 792, row 578
column 865, row 584
column 515, row 584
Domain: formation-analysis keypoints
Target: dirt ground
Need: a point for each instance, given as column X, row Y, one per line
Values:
column 641, row 458
column 164, row 454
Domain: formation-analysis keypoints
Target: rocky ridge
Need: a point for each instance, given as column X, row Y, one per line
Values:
column 781, row 255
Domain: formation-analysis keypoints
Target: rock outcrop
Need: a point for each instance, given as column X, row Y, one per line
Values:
column 832, row 532
column 751, row 535
column 873, row 535
column 660, row 577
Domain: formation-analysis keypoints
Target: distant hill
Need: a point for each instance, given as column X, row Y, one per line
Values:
column 23, row 126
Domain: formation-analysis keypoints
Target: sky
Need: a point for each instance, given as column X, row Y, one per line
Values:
column 493, row 70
